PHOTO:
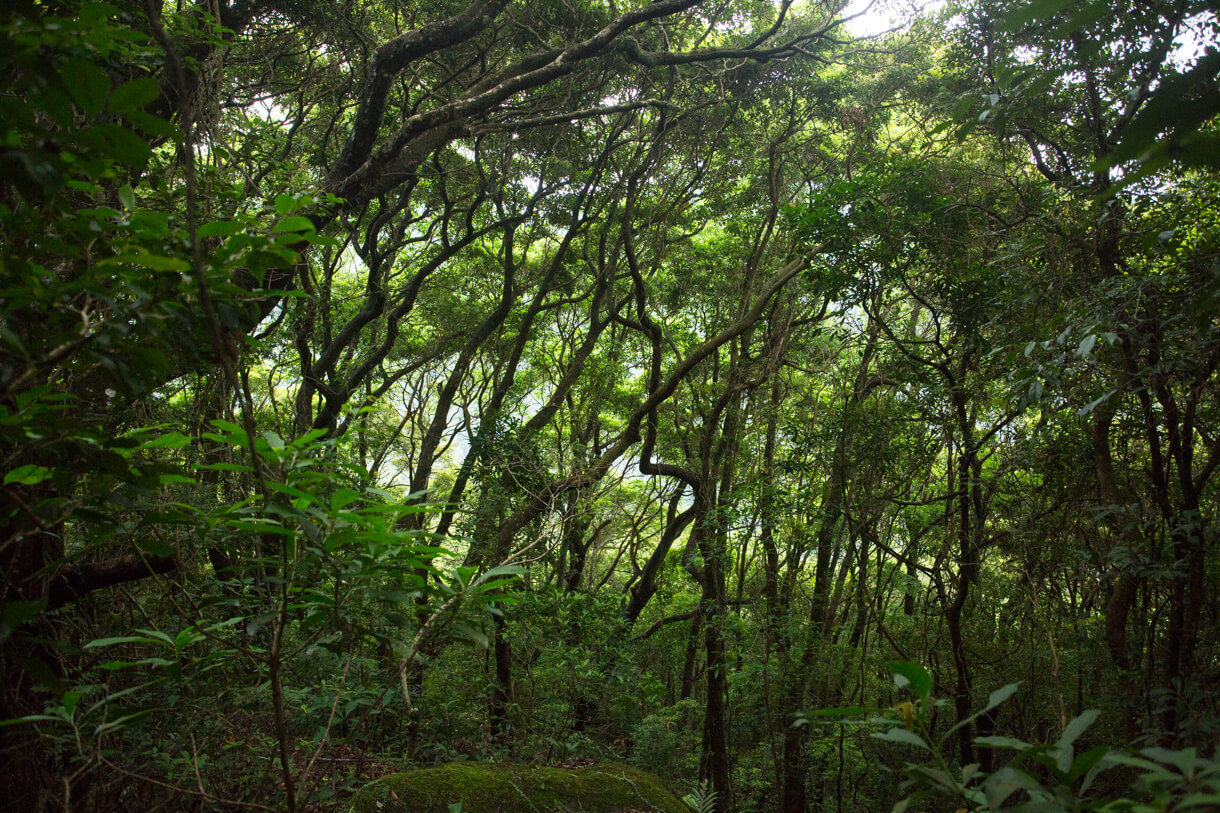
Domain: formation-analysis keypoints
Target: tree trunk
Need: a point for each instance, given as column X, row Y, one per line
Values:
column 690, row 663
column 502, row 686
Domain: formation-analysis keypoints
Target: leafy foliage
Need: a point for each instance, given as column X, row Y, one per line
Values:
column 560, row 382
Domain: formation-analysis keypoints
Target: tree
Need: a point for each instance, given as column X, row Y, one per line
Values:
column 1111, row 75
column 698, row 368
column 439, row 143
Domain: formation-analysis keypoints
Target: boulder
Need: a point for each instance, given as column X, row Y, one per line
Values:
column 486, row 787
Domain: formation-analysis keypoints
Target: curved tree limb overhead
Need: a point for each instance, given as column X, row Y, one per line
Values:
column 377, row 172
column 480, row 96
column 367, row 171
column 360, row 172
column 490, row 90
column 630, row 433
column 391, row 59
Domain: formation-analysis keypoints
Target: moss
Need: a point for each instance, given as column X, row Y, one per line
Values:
column 484, row 787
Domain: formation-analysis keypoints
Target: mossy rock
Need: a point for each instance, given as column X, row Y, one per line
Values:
column 486, row 787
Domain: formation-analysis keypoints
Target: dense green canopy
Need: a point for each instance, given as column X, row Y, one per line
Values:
column 817, row 421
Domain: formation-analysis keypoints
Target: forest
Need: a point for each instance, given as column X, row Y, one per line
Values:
column 708, row 393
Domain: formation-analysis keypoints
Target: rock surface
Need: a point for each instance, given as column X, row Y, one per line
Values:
column 484, row 787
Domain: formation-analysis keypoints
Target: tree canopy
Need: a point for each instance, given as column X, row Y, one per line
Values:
column 819, row 421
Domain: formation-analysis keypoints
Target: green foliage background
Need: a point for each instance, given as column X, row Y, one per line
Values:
column 818, row 423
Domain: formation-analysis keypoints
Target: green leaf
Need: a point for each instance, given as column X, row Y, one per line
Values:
column 86, row 84
column 114, row 666
column 308, row 438
column 1005, row 782
column 994, row 699
column 231, row 432
column 27, row 475
column 258, row 622
column 1025, row 14
column 1092, row 405
column 121, row 143
column 802, row 718
column 33, row 172
column 902, row 735
column 1077, row 727
column 291, row 491
column 153, row 125
column 295, row 223
column 134, row 95
column 187, row 636
column 1151, row 769
column 513, row 571
column 69, row 701
column 1063, row 751
column 170, row 440
column 222, row 228
column 492, row 585
column 158, row 635
column 125, row 720
column 1180, row 104
column 1085, row 762
column 1086, row 345
column 1204, row 801
column 13, row 614
column 30, row 718
column 1185, row 760
column 907, row 674
column 154, row 546
column 122, row 639
column 939, row 778
column 342, row 498
column 1000, row 695
column 964, row 130
column 470, row 634
column 153, row 262
column 224, row 467
column 1002, row 742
